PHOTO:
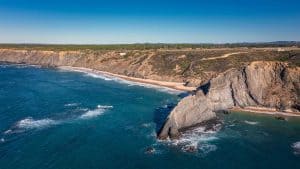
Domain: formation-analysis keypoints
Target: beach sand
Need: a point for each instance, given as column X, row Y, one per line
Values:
column 265, row 110
column 171, row 85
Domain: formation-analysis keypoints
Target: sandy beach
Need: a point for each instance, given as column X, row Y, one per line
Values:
column 177, row 87
column 170, row 85
column 265, row 110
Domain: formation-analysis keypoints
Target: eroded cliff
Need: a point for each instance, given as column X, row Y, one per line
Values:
column 264, row 84
column 192, row 67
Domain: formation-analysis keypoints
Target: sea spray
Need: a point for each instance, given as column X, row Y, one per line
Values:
column 95, row 112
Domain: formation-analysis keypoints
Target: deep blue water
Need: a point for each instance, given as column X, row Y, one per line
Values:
column 57, row 119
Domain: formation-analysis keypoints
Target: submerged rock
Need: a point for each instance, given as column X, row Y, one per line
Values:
column 190, row 149
column 280, row 118
column 265, row 84
column 150, row 150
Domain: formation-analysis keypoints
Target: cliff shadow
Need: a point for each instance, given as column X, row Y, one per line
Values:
column 205, row 87
column 161, row 114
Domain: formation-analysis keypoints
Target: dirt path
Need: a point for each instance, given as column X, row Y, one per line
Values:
column 223, row 56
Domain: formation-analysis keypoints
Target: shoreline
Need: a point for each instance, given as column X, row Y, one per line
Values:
column 265, row 110
column 155, row 83
column 173, row 86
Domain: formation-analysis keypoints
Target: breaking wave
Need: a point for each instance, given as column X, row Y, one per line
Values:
column 96, row 112
column 94, row 75
column 104, row 107
column 197, row 140
column 29, row 123
column 296, row 148
column 71, row 104
column 251, row 122
column 18, row 66
column 97, row 74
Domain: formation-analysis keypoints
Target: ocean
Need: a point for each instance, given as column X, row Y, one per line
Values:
column 57, row 119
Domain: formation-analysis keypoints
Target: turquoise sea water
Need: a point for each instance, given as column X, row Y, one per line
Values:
column 57, row 119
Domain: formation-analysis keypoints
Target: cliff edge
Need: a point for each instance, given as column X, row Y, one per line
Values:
column 261, row 84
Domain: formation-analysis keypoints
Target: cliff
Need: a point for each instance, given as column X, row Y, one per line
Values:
column 193, row 67
column 262, row 84
column 139, row 64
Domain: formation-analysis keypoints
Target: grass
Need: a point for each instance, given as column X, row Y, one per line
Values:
column 146, row 46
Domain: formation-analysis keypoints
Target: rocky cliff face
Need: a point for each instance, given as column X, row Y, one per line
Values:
column 266, row 84
column 132, row 63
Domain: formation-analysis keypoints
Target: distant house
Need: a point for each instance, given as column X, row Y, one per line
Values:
column 280, row 50
column 123, row 54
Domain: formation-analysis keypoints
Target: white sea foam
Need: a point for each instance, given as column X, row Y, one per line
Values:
column 30, row 123
column 96, row 112
column 19, row 65
column 296, row 147
column 146, row 125
column 2, row 140
column 251, row 122
column 71, row 104
column 207, row 148
column 8, row 131
column 197, row 140
column 104, row 107
column 98, row 74
column 94, row 75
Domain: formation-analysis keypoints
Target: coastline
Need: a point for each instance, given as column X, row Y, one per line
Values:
column 155, row 83
column 172, row 86
column 264, row 110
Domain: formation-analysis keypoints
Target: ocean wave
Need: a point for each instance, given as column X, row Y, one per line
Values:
column 30, row 123
column 296, row 148
column 19, row 65
column 147, row 125
column 207, row 148
column 96, row 112
column 94, row 75
column 104, row 107
column 71, row 104
column 2, row 140
column 251, row 122
column 197, row 140
column 98, row 74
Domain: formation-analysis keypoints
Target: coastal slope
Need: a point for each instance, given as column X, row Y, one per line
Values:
column 259, row 84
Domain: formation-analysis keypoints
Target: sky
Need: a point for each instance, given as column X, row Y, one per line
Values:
column 143, row 21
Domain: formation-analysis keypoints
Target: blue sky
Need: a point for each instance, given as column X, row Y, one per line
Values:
column 138, row 21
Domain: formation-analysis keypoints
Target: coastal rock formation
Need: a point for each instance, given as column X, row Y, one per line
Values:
column 261, row 84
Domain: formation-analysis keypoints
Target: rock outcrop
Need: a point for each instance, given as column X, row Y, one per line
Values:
column 264, row 84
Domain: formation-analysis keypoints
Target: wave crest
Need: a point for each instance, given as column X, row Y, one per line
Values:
column 251, row 122
column 198, row 140
column 296, row 147
column 30, row 123
column 96, row 112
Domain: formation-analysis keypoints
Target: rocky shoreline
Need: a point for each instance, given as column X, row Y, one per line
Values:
column 262, row 84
